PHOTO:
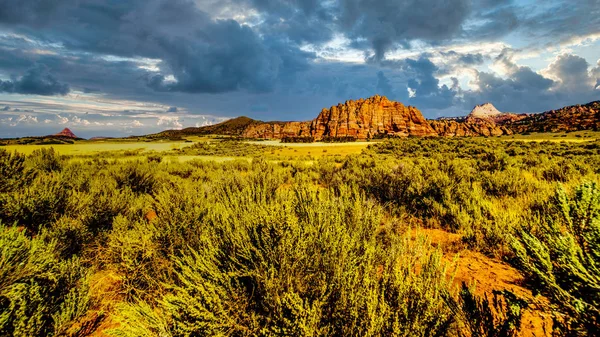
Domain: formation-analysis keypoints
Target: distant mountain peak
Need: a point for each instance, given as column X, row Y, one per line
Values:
column 66, row 132
column 485, row 110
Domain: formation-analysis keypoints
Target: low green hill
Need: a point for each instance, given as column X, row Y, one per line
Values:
column 231, row 127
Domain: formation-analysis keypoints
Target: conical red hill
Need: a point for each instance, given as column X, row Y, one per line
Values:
column 66, row 133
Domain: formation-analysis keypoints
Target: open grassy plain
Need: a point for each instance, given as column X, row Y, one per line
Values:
column 574, row 136
column 221, row 237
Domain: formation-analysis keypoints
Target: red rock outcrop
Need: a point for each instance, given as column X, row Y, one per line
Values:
column 460, row 128
column 484, row 120
column 570, row 118
column 370, row 118
column 361, row 119
column 277, row 130
column 379, row 117
column 65, row 133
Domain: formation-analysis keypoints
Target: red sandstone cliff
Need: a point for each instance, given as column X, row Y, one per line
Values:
column 370, row 118
column 361, row 119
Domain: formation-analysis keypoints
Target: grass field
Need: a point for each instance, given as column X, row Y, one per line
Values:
column 576, row 136
column 214, row 236
column 87, row 147
column 114, row 148
column 273, row 150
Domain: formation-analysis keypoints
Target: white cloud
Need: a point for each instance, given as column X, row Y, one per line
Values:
column 27, row 119
column 168, row 121
column 79, row 121
column 62, row 120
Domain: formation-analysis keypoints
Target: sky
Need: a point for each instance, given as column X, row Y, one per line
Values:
column 133, row 67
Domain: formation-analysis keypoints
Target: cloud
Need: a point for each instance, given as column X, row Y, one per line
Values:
column 571, row 72
column 201, row 53
column 492, row 19
column 256, row 57
column 596, row 75
column 384, row 23
column 383, row 85
column 424, row 86
column 169, row 122
column 565, row 81
column 75, row 120
column 462, row 59
column 172, row 109
column 6, row 108
column 26, row 119
column 302, row 21
column 62, row 120
column 558, row 21
column 36, row 81
column 14, row 121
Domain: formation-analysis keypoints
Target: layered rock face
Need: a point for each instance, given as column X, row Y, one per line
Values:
column 570, row 118
column 484, row 120
column 462, row 128
column 379, row 117
column 278, row 130
column 370, row 118
column 66, row 132
column 486, row 110
column 361, row 119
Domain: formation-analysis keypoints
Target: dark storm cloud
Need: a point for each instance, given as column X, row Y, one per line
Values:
column 36, row 81
column 492, row 19
column 385, row 23
column 572, row 70
column 203, row 54
column 172, row 109
column 383, row 85
column 524, row 90
column 467, row 59
column 90, row 90
column 309, row 21
column 510, row 94
column 426, row 88
column 36, row 12
column 596, row 74
column 86, row 72
column 236, row 58
column 559, row 20
column 219, row 64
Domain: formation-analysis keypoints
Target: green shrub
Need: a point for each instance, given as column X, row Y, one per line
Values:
column 14, row 174
column 139, row 177
column 561, row 258
column 45, row 160
column 498, row 317
column 37, row 205
column 303, row 262
column 40, row 295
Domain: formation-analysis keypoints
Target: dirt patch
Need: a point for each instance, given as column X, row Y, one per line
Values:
column 104, row 287
column 488, row 274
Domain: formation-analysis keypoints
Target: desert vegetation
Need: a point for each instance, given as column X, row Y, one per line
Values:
column 334, row 246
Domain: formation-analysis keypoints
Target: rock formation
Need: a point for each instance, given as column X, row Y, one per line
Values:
column 484, row 120
column 377, row 117
column 361, row 119
column 462, row 128
column 278, row 130
column 370, row 118
column 65, row 133
column 570, row 118
column 486, row 110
